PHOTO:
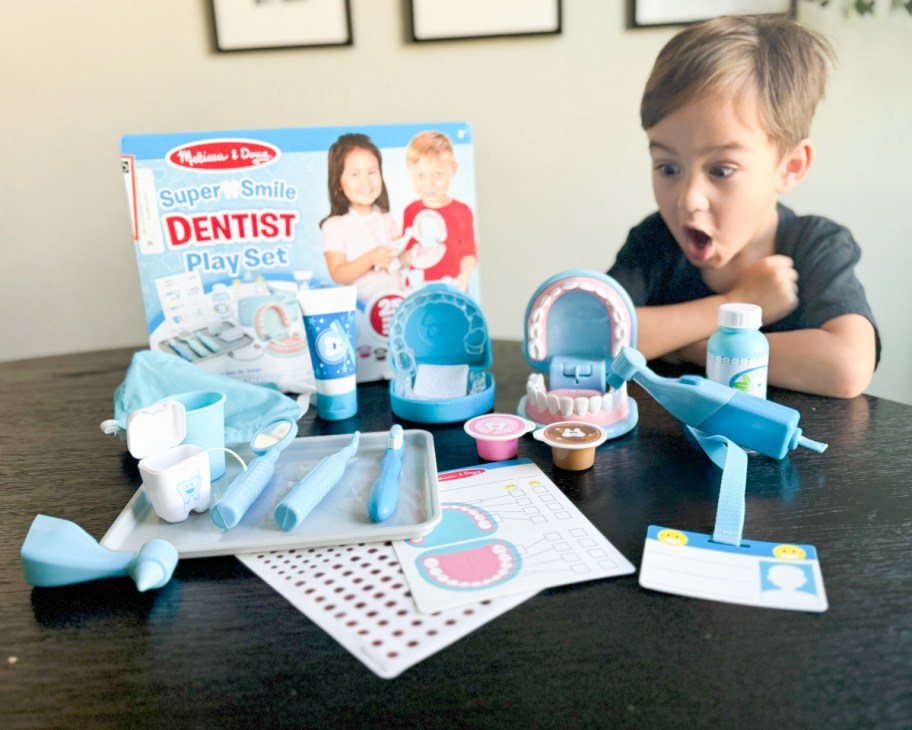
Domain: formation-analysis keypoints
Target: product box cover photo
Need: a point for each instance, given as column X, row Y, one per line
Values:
column 228, row 227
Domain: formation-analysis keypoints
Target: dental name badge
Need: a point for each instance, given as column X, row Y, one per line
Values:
column 755, row 573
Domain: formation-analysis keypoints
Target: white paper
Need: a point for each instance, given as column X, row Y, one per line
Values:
column 505, row 528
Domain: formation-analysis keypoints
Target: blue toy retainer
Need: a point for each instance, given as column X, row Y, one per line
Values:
column 575, row 324
column 442, row 327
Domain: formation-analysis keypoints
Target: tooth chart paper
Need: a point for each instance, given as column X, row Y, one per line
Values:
column 228, row 226
column 755, row 573
column 358, row 595
column 505, row 528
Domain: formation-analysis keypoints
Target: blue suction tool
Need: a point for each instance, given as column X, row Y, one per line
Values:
column 309, row 492
column 59, row 552
column 717, row 410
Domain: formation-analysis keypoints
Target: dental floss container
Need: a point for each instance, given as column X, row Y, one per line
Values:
column 155, row 437
column 156, row 428
column 737, row 355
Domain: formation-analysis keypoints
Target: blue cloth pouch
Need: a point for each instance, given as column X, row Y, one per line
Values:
column 154, row 376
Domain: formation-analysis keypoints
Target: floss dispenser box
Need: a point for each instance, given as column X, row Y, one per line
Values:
column 440, row 355
column 228, row 226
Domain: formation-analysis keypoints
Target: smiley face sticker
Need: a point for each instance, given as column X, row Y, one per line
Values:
column 674, row 538
column 789, row 552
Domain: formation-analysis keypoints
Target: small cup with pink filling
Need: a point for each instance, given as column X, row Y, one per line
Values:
column 497, row 434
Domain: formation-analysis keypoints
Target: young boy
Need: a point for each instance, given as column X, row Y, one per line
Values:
column 727, row 110
column 443, row 228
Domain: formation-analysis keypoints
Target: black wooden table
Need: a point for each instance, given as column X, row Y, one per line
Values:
column 217, row 647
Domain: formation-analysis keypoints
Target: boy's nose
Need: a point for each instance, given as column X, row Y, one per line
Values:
column 693, row 198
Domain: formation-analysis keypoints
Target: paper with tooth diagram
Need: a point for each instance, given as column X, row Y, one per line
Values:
column 358, row 595
column 505, row 529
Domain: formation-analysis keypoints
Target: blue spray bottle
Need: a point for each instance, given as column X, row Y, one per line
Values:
column 753, row 423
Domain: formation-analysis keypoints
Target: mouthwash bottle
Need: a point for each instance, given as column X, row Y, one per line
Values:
column 738, row 354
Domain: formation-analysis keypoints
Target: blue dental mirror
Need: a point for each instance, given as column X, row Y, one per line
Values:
column 275, row 435
column 267, row 443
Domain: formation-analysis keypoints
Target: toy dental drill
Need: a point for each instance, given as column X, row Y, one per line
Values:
column 59, row 553
column 753, row 423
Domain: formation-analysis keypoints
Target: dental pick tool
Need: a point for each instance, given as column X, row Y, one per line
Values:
column 309, row 492
column 384, row 494
column 247, row 486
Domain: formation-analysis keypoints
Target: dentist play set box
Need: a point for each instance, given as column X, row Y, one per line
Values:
column 229, row 226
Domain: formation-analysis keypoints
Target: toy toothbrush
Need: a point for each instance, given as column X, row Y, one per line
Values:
column 247, row 486
column 384, row 494
column 308, row 493
column 753, row 423
column 59, row 552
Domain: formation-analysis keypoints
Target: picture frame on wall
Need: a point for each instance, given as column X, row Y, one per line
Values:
column 653, row 13
column 249, row 25
column 445, row 20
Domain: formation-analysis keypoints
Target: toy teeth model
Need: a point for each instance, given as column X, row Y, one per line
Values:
column 576, row 323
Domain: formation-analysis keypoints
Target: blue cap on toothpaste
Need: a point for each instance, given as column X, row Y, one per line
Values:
column 337, row 407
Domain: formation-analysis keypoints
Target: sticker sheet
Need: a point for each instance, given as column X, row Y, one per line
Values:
column 755, row 573
column 358, row 595
column 505, row 529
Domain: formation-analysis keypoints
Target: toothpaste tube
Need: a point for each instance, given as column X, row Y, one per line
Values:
column 329, row 321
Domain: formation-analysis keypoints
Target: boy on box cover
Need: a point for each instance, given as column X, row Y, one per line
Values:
column 727, row 111
column 443, row 229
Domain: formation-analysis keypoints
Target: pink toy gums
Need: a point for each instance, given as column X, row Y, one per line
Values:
column 575, row 324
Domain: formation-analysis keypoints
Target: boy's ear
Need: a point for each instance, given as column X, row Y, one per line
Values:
column 795, row 165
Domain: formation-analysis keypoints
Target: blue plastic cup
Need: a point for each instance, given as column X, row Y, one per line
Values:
column 206, row 425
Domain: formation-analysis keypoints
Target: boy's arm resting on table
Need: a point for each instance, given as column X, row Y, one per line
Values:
column 835, row 360
column 669, row 328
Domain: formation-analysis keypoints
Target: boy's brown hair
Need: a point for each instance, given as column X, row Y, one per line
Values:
column 429, row 144
column 784, row 62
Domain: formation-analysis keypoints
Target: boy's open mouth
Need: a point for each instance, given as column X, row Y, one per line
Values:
column 698, row 243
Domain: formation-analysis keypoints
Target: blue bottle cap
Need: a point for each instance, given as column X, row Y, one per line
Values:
column 337, row 407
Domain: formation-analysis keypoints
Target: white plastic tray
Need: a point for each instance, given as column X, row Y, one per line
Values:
column 341, row 518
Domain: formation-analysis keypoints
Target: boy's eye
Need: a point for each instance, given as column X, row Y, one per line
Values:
column 666, row 169
column 721, row 171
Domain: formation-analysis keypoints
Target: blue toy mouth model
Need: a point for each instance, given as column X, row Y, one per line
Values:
column 576, row 323
column 440, row 354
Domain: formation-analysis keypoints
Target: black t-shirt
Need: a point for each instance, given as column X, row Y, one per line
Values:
column 654, row 271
